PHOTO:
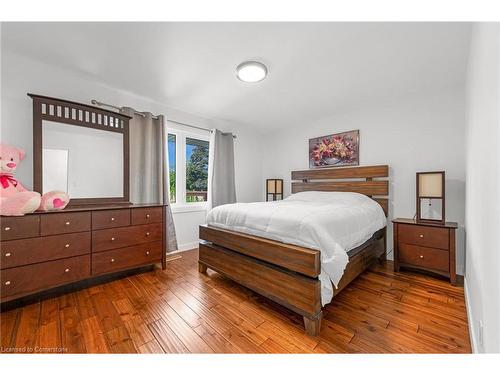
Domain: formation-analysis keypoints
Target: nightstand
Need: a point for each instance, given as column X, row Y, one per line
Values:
column 424, row 246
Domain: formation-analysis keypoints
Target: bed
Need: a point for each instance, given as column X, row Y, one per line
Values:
column 292, row 271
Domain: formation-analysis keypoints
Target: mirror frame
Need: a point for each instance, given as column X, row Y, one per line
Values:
column 78, row 114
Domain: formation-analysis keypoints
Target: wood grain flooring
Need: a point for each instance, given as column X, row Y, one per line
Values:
column 181, row 311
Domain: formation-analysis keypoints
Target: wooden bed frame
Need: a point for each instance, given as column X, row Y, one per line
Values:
column 288, row 274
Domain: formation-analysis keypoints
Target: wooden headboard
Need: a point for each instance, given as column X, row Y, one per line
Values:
column 354, row 179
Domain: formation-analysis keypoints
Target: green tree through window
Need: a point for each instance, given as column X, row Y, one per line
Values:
column 196, row 170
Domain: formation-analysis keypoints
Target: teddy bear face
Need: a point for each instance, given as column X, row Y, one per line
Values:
column 10, row 158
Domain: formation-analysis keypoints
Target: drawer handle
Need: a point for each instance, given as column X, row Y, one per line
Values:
column 421, row 257
column 66, row 246
column 67, row 223
column 112, row 219
column 112, row 238
column 421, row 235
column 112, row 260
column 8, row 254
column 147, row 216
column 147, row 234
column 66, row 270
column 147, row 252
column 6, row 229
column 7, row 282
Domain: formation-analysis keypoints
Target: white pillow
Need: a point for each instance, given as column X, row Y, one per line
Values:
column 329, row 197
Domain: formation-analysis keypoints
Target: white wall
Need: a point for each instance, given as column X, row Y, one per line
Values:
column 483, row 187
column 411, row 134
column 20, row 75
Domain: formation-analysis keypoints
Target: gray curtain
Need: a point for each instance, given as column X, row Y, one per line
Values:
column 221, row 187
column 149, row 165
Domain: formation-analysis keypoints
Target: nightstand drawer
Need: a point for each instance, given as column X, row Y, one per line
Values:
column 424, row 236
column 425, row 257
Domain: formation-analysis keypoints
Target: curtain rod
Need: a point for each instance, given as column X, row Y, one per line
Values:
column 101, row 104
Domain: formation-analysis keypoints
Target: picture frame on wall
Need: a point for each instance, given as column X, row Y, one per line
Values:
column 334, row 150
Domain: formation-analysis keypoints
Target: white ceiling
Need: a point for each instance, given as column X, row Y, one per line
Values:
column 315, row 69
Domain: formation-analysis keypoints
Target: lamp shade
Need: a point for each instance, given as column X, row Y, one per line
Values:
column 271, row 186
column 430, row 185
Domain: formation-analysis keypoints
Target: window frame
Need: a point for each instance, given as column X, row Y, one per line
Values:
column 180, row 204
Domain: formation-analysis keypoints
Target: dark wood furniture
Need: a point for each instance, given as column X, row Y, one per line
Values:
column 45, row 250
column 425, row 246
column 78, row 114
column 288, row 274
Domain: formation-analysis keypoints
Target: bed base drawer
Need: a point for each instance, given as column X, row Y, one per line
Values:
column 297, row 292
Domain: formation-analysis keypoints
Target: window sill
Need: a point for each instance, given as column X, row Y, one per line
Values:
column 176, row 208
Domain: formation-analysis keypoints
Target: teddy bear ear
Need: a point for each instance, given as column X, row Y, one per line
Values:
column 22, row 154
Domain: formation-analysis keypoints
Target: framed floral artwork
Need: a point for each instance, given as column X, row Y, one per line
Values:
column 335, row 150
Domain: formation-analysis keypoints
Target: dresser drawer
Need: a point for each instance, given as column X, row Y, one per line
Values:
column 127, row 257
column 424, row 236
column 14, row 227
column 424, row 257
column 41, row 249
column 65, row 222
column 147, row 215
column 110, row 219
column 27, row 279
column 108, row 239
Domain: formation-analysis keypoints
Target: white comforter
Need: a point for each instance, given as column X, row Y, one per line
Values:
column 332, row 222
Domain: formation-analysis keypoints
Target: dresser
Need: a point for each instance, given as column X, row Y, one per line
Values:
column 45, row 250
column 425, row 246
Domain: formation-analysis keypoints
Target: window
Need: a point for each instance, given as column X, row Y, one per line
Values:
column 196, row 170
column 188, row 169
column 172, row 165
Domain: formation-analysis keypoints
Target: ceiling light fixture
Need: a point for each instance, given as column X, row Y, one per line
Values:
column 251, row 71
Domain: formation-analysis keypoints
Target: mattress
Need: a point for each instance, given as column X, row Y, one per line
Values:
column 332, row 222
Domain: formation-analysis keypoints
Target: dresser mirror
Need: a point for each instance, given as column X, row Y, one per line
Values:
column 81, row 150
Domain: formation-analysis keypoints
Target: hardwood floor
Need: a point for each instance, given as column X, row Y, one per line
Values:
column 181, row 311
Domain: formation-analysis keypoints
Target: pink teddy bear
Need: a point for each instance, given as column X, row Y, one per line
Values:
column 15, row 199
